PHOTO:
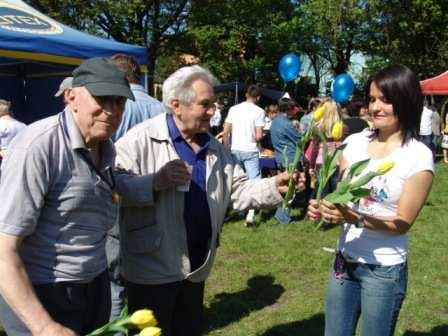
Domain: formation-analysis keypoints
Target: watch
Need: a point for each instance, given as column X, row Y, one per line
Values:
column 360, row 224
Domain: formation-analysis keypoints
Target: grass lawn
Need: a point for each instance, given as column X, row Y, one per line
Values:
column 270, row 280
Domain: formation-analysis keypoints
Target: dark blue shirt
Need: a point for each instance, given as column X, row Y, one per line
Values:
column 196, row 212
column 284, row 137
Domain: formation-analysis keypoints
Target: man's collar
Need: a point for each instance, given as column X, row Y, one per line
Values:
column 72, row 129
column 137, row 87
column 158, row 130
column 172, row 128
column 175, row 135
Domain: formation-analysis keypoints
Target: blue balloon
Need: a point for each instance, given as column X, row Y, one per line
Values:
column 289, row 67
column 343, row 86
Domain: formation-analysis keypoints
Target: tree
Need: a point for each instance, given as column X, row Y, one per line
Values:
column 242, row 40
column 149, row 23
column 416, row 36
column 333, row 30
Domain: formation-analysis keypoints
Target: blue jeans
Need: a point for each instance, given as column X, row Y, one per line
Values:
column 250, row 162
column 374, row 293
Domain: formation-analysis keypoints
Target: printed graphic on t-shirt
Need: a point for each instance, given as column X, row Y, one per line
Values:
column 379, row 193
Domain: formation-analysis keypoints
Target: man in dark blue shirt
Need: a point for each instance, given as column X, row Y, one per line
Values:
column 169, row 246
column 284, row 135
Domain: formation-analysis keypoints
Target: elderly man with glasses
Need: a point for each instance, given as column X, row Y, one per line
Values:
column 168, row 247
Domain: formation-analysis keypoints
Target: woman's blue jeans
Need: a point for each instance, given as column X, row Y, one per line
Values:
column 370, row 292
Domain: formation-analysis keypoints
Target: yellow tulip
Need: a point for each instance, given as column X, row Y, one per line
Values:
column 143, row 318
column 319, row 113
column 338, row 130
column 151, row 331
column 385, row 167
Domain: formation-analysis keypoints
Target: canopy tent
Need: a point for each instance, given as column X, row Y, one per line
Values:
column 435, row 86
column 36, row 53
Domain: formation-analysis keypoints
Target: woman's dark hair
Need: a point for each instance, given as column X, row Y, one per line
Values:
column 285, row 105
column 401, row 88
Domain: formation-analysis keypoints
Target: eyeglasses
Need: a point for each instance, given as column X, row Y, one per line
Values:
column 114, row 100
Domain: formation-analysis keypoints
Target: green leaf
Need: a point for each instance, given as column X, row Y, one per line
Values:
column 285, row 158
column 336, row 198
column 290, row 193
column 360, row 192
column 357, row 168
column 343, row 186
column 115, row 329
column 124, row 311
column 334, row 160
column 363, row 180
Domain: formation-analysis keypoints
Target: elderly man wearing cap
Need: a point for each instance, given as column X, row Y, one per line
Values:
column 62, row 195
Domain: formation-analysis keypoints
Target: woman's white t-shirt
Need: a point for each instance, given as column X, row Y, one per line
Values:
column 380, row 247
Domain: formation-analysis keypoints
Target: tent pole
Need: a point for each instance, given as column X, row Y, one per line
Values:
column 146, row 81
column 236, row 93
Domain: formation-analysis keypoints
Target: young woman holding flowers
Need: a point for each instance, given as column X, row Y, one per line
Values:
column 370, row 271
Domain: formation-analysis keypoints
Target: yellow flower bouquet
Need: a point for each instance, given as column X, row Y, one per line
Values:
column 143, row 320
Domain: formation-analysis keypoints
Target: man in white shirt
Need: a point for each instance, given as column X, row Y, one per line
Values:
column 245, row 123
column 426, row 127
column 215, row 121
column 9, row 127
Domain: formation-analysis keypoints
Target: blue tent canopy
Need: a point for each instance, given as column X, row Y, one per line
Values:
column 36, row 53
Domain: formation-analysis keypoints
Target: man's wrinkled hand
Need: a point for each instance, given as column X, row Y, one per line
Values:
column 282, row 181
column 172, row 174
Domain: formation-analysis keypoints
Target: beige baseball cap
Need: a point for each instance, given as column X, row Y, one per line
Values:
column 65, row 85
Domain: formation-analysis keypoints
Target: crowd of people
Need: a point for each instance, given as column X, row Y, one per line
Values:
column 123, row 197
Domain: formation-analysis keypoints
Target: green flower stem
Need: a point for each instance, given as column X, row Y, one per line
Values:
column 113, row 326
column 300, row 148
column 290, row 193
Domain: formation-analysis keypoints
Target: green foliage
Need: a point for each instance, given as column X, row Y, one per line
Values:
column 242, row 40
column 411, row 32
column 334, row 29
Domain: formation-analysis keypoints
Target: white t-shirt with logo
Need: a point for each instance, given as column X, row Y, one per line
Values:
column 380, row 247
column 8, row 130
column 244, row 118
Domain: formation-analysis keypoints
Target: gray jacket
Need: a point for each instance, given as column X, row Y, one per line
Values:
column 153, row 238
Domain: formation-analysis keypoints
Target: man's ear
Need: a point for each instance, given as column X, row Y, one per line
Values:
column 175, row 104
column 66, row 95
column 70, row 99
